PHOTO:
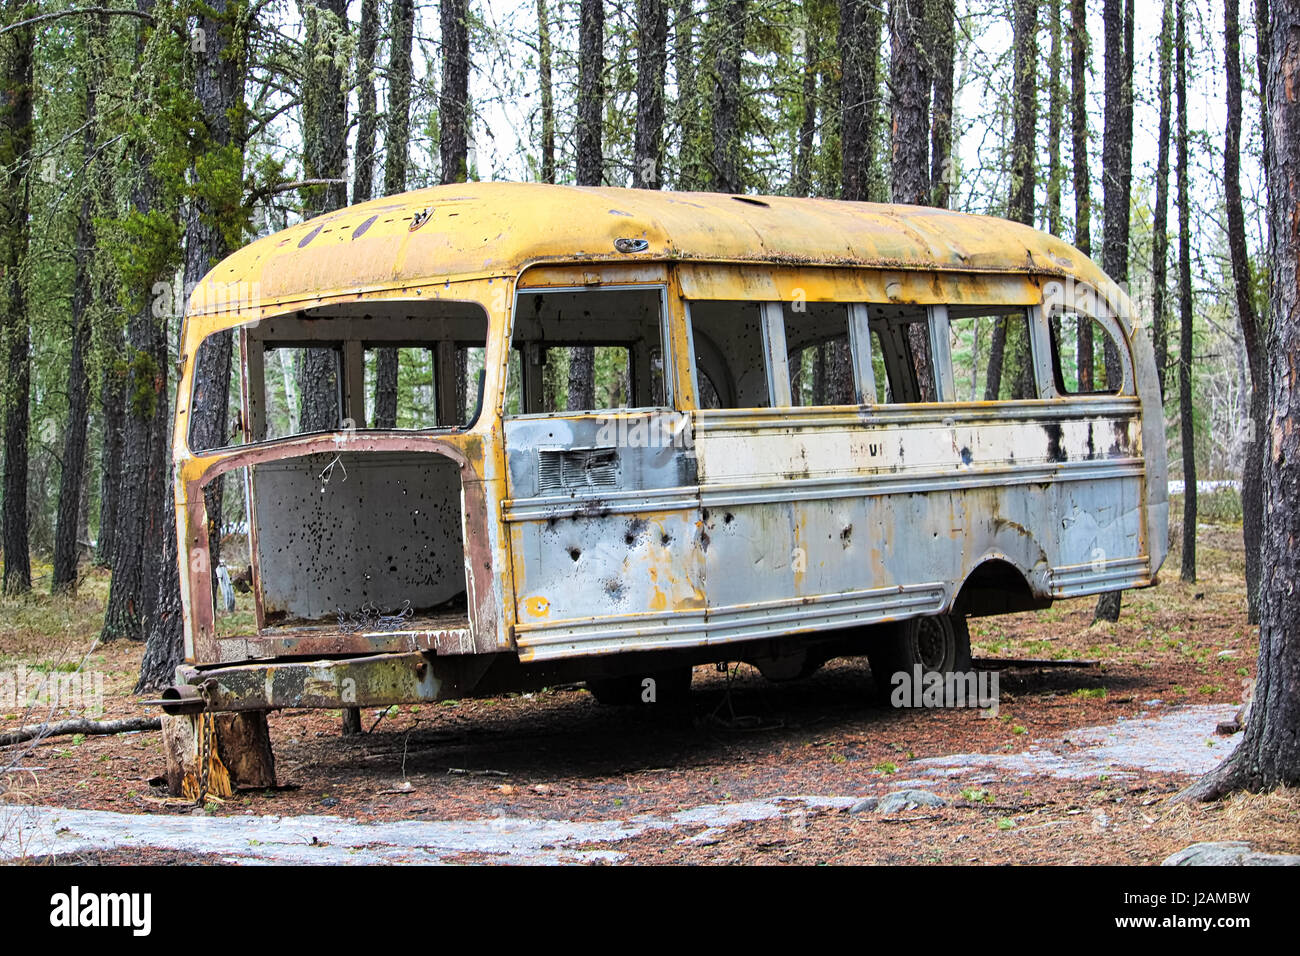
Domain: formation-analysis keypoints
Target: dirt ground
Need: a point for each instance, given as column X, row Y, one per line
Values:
column 559, row 756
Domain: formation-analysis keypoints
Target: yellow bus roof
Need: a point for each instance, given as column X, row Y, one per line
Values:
column 478, row 230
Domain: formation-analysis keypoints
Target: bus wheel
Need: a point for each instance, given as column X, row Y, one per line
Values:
column 939, row 643
column 672, row 686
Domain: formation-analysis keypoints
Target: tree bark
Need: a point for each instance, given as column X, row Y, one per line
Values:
column 1055, row 107
column 397, row 143
column 453, row 102
column 324, row 107
column 591, row 104
column 112, row 399
column 324, row 157
column 859, row 40
column 942, row 15
column 802, row 181
column 651, row 65
column 1082, row 168
column 71, row 479
column 909, row 142
column 215, row 222
column 363, row 178
column 687, row 111
column 137, row 562
column 15, row 158
column 1020, row 202
column 1160, row 225
column 1269, row 752
column 1185, row 411
column 401, row 29
column 1116, row 178
column 1252, row 490
column 544, row 55
column 727, row 93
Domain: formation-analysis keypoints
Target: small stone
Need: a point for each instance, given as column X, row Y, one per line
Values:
column 865, row 805
column 901, row 800
column 1228, row 853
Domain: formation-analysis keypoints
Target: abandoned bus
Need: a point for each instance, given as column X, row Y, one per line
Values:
column 492, row 436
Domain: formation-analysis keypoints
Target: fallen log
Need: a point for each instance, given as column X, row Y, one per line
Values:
column 80, row 725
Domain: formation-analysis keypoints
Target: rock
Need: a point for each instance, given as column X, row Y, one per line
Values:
column 901, row 800
column 1228, row 853
column 864, row 805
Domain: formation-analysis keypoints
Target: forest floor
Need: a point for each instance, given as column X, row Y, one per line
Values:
column 1077, row 765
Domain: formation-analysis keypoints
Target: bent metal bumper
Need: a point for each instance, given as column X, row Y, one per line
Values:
column 377, row 680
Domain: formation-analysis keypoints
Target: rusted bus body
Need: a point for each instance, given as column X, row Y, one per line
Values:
column 534, row 545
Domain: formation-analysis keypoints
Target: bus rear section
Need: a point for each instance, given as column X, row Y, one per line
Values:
column 356, row 494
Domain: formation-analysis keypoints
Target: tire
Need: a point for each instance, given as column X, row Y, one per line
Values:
column 939, row 643
column 672, row 686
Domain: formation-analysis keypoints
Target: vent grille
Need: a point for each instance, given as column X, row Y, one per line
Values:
column 578, row 469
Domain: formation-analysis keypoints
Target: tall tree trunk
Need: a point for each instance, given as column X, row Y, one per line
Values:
column 910, row 144
column 324, row 107
column 112, row 400
column 15, row 158
column 1160, row 225
column 71, row 479
column 802, row 183
column 727, row 93
column 651, row 65
column 133, row 589
column 1185, row 412
column 1116, row 178
column 591, row 165
column 324, row 156
column 1252, row 489
column 1055, row 109
column 1020, row 202
column 1263, row 44
column 1082, row 168
column 453, row 102
column 544, row 54
column 942, row 15
column 1269, row 752
column 1024, row 179
column 363, row 178
column 138, row 562
column 687, row 110
column 398, row 136
column 214, row 224
column 859, row 40
column 397, row 142
column 910, row 82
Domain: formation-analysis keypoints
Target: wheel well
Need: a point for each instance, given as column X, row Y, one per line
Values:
column 996, row 586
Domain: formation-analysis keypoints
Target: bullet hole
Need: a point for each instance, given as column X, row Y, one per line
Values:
column 635, row 528
column 665, row 539
column 704, row 541
column 847, row 535
column 965, row 456
column 575, row 554
column 728, row 518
